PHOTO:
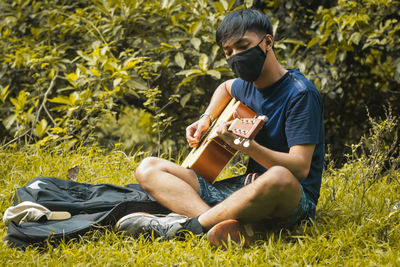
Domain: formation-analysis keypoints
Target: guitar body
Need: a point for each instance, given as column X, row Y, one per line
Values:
column 210, row 157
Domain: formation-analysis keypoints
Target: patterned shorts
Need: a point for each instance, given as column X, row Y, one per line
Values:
column 217, row 192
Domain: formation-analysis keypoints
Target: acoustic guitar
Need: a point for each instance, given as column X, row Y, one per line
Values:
column 212, row 154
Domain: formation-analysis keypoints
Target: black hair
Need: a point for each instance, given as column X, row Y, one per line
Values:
column 237, row 23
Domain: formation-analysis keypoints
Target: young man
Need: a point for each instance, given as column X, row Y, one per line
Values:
column 286, row 155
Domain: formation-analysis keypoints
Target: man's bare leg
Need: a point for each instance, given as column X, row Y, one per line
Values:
column 276, row 193
column 172, row 185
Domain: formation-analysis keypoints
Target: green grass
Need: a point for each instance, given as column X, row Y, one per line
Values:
column 353, row 227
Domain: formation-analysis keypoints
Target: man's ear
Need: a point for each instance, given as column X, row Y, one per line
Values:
column 269, row 41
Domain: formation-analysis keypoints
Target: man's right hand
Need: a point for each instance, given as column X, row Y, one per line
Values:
column 195, row 131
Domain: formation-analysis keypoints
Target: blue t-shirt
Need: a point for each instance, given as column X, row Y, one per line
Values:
column 295, row 111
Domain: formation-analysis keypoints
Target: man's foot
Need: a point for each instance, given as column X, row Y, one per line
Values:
column 232, row 230
column 147, row 224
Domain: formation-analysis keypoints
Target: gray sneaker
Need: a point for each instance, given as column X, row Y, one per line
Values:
column 143, row 223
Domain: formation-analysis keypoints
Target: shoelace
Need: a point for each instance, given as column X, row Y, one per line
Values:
column 159, row 229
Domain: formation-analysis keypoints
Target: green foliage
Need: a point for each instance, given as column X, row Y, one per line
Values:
column 361, row 43
column 349, row 49
column 65, row 66
column 74, row 71
column 373, row 159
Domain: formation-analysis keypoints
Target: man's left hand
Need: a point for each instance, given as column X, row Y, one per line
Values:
column 228, row 136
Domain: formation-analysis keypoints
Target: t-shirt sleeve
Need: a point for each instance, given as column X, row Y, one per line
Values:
column 304, row 118
column 236, row 91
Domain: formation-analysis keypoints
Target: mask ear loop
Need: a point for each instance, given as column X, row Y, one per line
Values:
column 262, row 39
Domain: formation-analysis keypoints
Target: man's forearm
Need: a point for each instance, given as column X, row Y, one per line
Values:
column 298, row 160
column 220, row 98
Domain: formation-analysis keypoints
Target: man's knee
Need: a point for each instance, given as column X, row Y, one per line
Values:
column 279, row 188
column 146, row 167
column 277, row 180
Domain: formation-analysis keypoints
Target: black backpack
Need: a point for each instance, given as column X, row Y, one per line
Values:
column 90, row 205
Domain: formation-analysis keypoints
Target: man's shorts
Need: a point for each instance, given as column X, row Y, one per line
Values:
column 217, row 192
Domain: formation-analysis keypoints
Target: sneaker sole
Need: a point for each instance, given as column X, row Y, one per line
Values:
column 231, row 230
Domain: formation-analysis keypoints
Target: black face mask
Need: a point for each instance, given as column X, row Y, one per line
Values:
column 249, row 63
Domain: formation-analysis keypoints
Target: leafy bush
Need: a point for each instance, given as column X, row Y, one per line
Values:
column 349, row 49
column 67, row 65
column 115, row 71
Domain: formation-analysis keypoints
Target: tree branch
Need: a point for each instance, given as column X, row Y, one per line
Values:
column 44, row 101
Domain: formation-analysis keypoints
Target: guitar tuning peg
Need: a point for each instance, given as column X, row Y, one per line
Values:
column 264, row 118
column 237, row 141
column 246, row 143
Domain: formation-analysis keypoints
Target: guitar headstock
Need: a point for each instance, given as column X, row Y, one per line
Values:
column 246, row 129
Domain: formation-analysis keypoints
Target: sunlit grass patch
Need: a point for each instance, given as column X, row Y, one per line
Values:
column 354, row 225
